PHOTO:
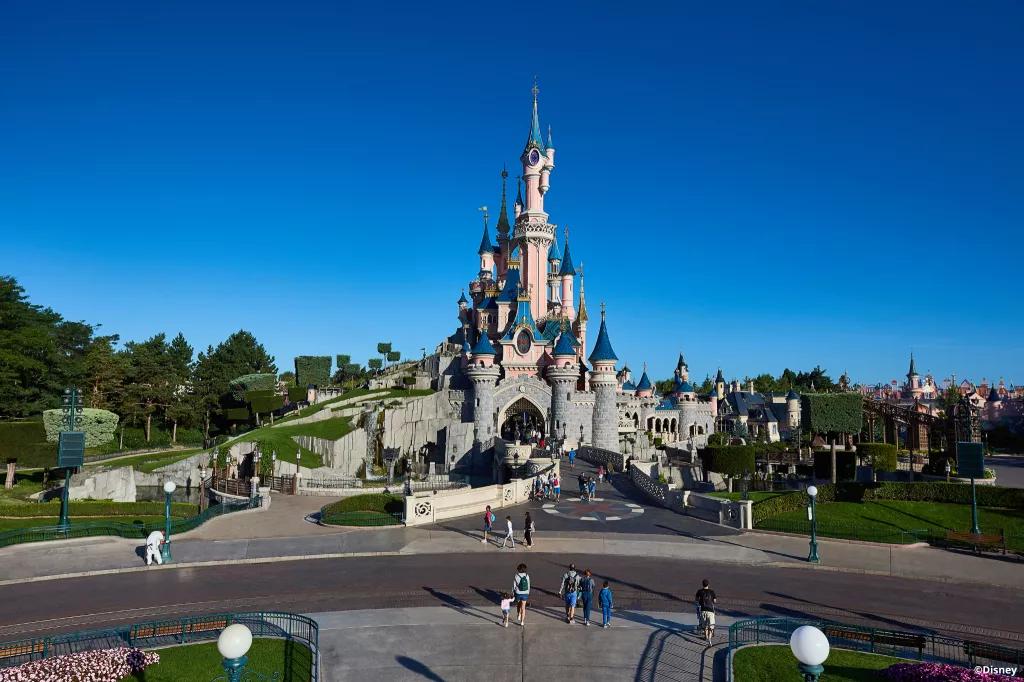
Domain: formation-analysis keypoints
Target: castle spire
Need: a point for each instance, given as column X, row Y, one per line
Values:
column 503, row 224
column 567, row 269
column 485, row 240
column 551, row 144
column 603, row 348
column 582, row 315
column 913, row 368
column 535, row 139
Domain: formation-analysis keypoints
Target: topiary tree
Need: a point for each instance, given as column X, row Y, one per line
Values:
column 832, row 414
column 313, row 370
column 731, row 461
column 408, row 382
column 882, row 456
column 384, row 347
column 239, row 386
column 394, row 356
column 375, row 364
column 25, row 442
column 98, row 425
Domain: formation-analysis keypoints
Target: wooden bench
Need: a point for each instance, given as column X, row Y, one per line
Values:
column 978, row 542
column 888, row 638
column 992, row 652
column 33, row 648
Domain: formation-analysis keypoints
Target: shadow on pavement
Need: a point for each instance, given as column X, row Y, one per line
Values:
column 670, row 655
column 414, row 666
column 462, row 607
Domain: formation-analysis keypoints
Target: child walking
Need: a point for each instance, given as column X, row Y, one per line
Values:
column 506, row 606
column 605, row 600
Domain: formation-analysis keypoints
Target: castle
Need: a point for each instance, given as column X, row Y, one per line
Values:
column 523, row 336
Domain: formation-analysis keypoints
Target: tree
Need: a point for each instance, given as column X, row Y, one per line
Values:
column 394, row 356
column 182, row 406
column 384, row 347
column 151, row 377
column 375, row 364
column 104, row 374
column 287, row 377
column 239, row 354
column 832, row 414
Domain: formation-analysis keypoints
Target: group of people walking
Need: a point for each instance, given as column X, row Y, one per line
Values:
column 546, row 487
column 576, row 590
column 529, row 528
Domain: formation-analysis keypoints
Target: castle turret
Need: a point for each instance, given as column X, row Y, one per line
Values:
column 483, row 373
column 486, row 250
column 567, row 273
column 913, row 378
column 644, row 387
column 682, row 370
column 503, row 227
column 563, row 374
column 554, row 283
column 582, row 316
column 605, row 427
column 719, row 385
column 793, row 409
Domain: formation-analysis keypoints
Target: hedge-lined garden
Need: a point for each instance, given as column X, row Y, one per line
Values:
column 373, row 509
column 729, row 460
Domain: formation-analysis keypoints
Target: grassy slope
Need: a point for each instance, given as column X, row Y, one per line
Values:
column 755, row 496
column 773, row 663
column 202, row 662
column 11, row 524
column 886, row 516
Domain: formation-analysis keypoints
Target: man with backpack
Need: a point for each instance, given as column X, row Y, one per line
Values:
column 488, row 523
column 569, row 591
column 521, row 589
column 705, row 599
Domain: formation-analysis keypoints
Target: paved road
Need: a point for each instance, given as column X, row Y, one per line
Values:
column 1009, row 471
column 460, row 580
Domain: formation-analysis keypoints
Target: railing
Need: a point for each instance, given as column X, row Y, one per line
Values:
column 651, row 488
column 153, row 634
column 239, row 487
column 281, row 484
column 124, row 530
column 848, row 532
column 594, row 455
column 916, row 645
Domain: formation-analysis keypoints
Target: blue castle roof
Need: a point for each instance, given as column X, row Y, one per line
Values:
column 645, row 382
column 463, row 299
column 553, row 251
column 792, row 395
column 511, row 288
column 484, row 347
column 485, row 242
column 565, row 346
column 603, row 348
column 524, row 318
column 629, row 386
column 567, row 266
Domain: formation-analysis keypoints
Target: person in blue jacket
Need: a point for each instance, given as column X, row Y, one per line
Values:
column 604, row 598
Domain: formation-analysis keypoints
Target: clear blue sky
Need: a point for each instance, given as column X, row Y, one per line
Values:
column 763, row 185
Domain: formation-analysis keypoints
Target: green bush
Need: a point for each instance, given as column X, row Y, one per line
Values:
column 239, row 386
column 297, row 393
column 371, row 502
column 313, row 370
column 265, row 405
column 832, row 412
column 846, row 465
column 25, row 441
column 98, row 425
column 882, row 456
column 97, row 508
column 237, row 414
column 728, row 460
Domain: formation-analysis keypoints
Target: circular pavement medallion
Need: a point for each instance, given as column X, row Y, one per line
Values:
column 598, row 510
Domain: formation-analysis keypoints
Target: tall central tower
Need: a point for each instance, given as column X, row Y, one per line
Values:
column 532, row 231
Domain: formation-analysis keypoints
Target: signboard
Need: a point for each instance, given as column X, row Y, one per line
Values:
column 970, row 460
column 71, row 449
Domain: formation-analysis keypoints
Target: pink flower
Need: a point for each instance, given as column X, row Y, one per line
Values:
column 104, row 665
column 940, row 672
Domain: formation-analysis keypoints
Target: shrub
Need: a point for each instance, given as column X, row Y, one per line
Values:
column 265, row 404
column 728, row 460
column 97, row 508
column 376, row 502
column 25, row 442
column 237, row 414
column 832, row 412
column 252, row 382
column 313, row 370
column 297, row 394
column 846, row 465
column 102, row 664
column 882, row 456
column 98, row 425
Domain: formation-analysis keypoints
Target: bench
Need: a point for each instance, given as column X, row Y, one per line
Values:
column 909, row 640
column 33, row 648
column 978, row 542
column 992, row 652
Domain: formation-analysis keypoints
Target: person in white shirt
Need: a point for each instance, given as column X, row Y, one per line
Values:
column 508, row 533
column 153, row 543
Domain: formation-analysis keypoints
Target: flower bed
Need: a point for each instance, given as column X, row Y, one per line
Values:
column 940, row 672
column 85, row 666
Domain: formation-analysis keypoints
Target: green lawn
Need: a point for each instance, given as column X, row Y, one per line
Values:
column 201, row 662
column 755, row 496
column 36, row 521
column 148, row 462
column 886, row 518
column 280, row 438
column 773, row 663
column 371, row 509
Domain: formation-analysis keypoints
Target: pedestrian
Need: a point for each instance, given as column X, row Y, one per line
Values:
column 528, row 530
column 706, row 599
column 629, row 464
column 521, row 589
column 488, row 523
column 605, row 599
column 581, row 480
column 591, row 488
column 569, row 591
column 509, row 537
column 557, row 487
column 600, row 473
column 506, row 606
column 587, row 595
column 547, row 486
column 153, row 543
column 572, row 458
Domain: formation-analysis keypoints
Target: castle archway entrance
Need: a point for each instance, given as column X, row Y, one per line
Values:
column 519, row 418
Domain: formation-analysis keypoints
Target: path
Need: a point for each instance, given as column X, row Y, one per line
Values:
column 430, row 643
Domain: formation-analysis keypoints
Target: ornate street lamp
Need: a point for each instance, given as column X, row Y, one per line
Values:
column 746, row 484
column 810, row 646
column 233, row 644
column 812, row 494
column 165, row 550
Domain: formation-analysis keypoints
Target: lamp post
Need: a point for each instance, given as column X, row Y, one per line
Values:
column 746, row 484
column 810, row 646
column 581, row 435
column 812, row 493
column 233, row 644
column 165, row 550
column 949, row 468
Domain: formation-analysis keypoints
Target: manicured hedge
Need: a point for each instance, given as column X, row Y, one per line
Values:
column 313, row 370
column 264, row 405
column 932, row 491
column 832, row 412
column 97, row 508
column 297, row 393
column 881, row 456
column 378, row 502
column 252, row 382
column 846, row 465
column 728, row 460
column 25, row 442
column 98, row 425
column 237, row 414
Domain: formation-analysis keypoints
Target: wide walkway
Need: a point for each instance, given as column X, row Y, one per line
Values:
column 463, row 641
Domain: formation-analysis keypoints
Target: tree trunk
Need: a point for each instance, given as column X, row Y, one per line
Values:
column 120, row 441
column 149, row 423
column 832, row 445
column 174, row 432
column 206, row 426
column 9, row 483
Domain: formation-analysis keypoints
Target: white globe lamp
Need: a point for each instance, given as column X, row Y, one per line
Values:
column 234, row 641
column 170, row 487
column 810, row 646
column 812, row 490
